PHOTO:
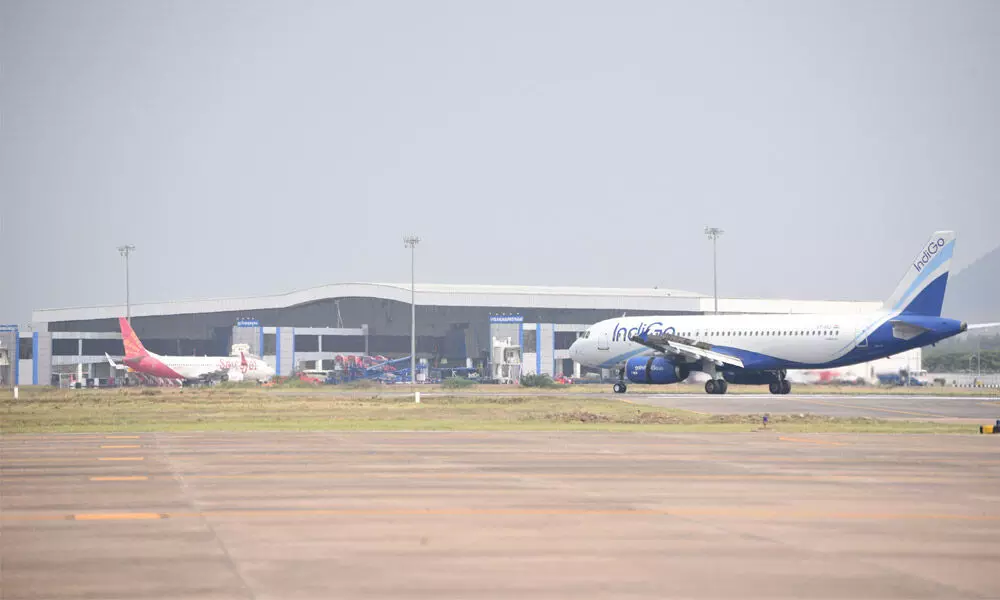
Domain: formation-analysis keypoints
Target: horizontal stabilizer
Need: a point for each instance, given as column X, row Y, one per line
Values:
column 901, row 330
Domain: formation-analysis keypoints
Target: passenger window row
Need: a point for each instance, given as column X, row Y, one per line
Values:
column 764, row 333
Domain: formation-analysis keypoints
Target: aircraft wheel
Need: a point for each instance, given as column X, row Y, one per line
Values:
column 722, row 387
column 774, row 387
column 620, row 388
column 710, row 386
column 786, row 387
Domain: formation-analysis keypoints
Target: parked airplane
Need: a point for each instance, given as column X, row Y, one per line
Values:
column 759, row 349
column 203, row 369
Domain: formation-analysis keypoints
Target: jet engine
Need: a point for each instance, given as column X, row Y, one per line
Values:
column 655, row 369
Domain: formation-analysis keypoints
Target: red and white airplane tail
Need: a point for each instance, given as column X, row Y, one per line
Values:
column 133, row 347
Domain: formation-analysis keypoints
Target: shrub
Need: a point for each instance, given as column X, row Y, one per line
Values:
column 540, row 381
column 457, row 383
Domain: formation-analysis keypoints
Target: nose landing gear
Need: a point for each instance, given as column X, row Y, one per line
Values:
column 620, row 386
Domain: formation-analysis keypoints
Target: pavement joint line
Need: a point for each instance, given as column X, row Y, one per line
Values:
column 120, row 478
column 578, row 476
column 810, row 441
column 121, row 437
column 502, row 512
column 119, row 446
column 119, row 458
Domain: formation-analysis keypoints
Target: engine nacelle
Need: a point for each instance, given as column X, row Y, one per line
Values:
column 654, row 369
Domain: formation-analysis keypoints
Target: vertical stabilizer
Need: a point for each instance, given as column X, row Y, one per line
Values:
column 921, row 290
column 133, row 347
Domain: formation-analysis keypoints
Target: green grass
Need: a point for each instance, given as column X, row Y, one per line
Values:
column 244, row 408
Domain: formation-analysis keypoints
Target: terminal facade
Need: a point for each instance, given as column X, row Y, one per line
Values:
column 457, row 325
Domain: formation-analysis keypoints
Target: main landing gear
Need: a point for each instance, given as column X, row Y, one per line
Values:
column 716, row 386
column 780, row 387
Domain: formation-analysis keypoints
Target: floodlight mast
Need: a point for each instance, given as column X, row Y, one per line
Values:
column 411, row 242
column 126, row 251
column 713, row 234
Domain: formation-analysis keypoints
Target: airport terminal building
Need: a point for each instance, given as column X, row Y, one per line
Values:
column 308, row 329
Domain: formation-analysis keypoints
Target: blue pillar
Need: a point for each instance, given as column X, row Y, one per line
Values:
column 277, row 350
column 538, row 348
column 34, row 358
column 16, row 359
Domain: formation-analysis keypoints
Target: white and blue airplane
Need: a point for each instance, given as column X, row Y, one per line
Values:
column 759, row 349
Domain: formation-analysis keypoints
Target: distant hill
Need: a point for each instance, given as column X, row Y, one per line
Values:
column 974, row 293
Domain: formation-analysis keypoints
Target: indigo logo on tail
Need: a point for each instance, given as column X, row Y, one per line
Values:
column 928, row 254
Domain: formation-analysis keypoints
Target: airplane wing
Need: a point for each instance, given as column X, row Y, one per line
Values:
column 983, row 325
column 672, row 344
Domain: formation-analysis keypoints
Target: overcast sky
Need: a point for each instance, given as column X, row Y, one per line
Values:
column 254, row 147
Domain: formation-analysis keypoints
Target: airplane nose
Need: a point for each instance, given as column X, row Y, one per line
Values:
column 574, row 348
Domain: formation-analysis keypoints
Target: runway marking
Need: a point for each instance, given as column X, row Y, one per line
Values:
column 809, row 441
column 111, row 447
column 749, row 513
column 121, row 437
column 121, row 478
column 122, row 458
column 117, row 516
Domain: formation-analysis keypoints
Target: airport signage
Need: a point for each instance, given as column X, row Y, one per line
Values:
column 247, row 323
column 506, row 319
column 8, row 327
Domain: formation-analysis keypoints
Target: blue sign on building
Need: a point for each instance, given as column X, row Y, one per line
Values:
column 247, row 322
column 506, row 319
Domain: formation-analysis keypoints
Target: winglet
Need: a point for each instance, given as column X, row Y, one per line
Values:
column 133, row 347
column 113, row 364
column 921, row 291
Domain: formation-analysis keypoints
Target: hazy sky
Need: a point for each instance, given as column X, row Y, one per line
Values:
column 259, row 147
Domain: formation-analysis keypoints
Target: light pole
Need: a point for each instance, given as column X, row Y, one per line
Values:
column 411, row 242
column 979, row 358
column 713, row 234
column 125, row 251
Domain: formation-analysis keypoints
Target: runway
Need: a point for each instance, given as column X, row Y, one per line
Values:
column 910, row 408
column 498, row 515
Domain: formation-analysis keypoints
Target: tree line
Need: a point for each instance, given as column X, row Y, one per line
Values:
column 961, row 362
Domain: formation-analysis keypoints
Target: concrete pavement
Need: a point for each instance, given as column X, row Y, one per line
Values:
column 498, row 515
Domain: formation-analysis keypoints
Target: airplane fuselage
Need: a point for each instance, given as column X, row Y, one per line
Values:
column 766, row 342
column 198, row 367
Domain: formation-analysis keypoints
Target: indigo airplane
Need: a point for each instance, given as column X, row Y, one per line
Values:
column 759, row 349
